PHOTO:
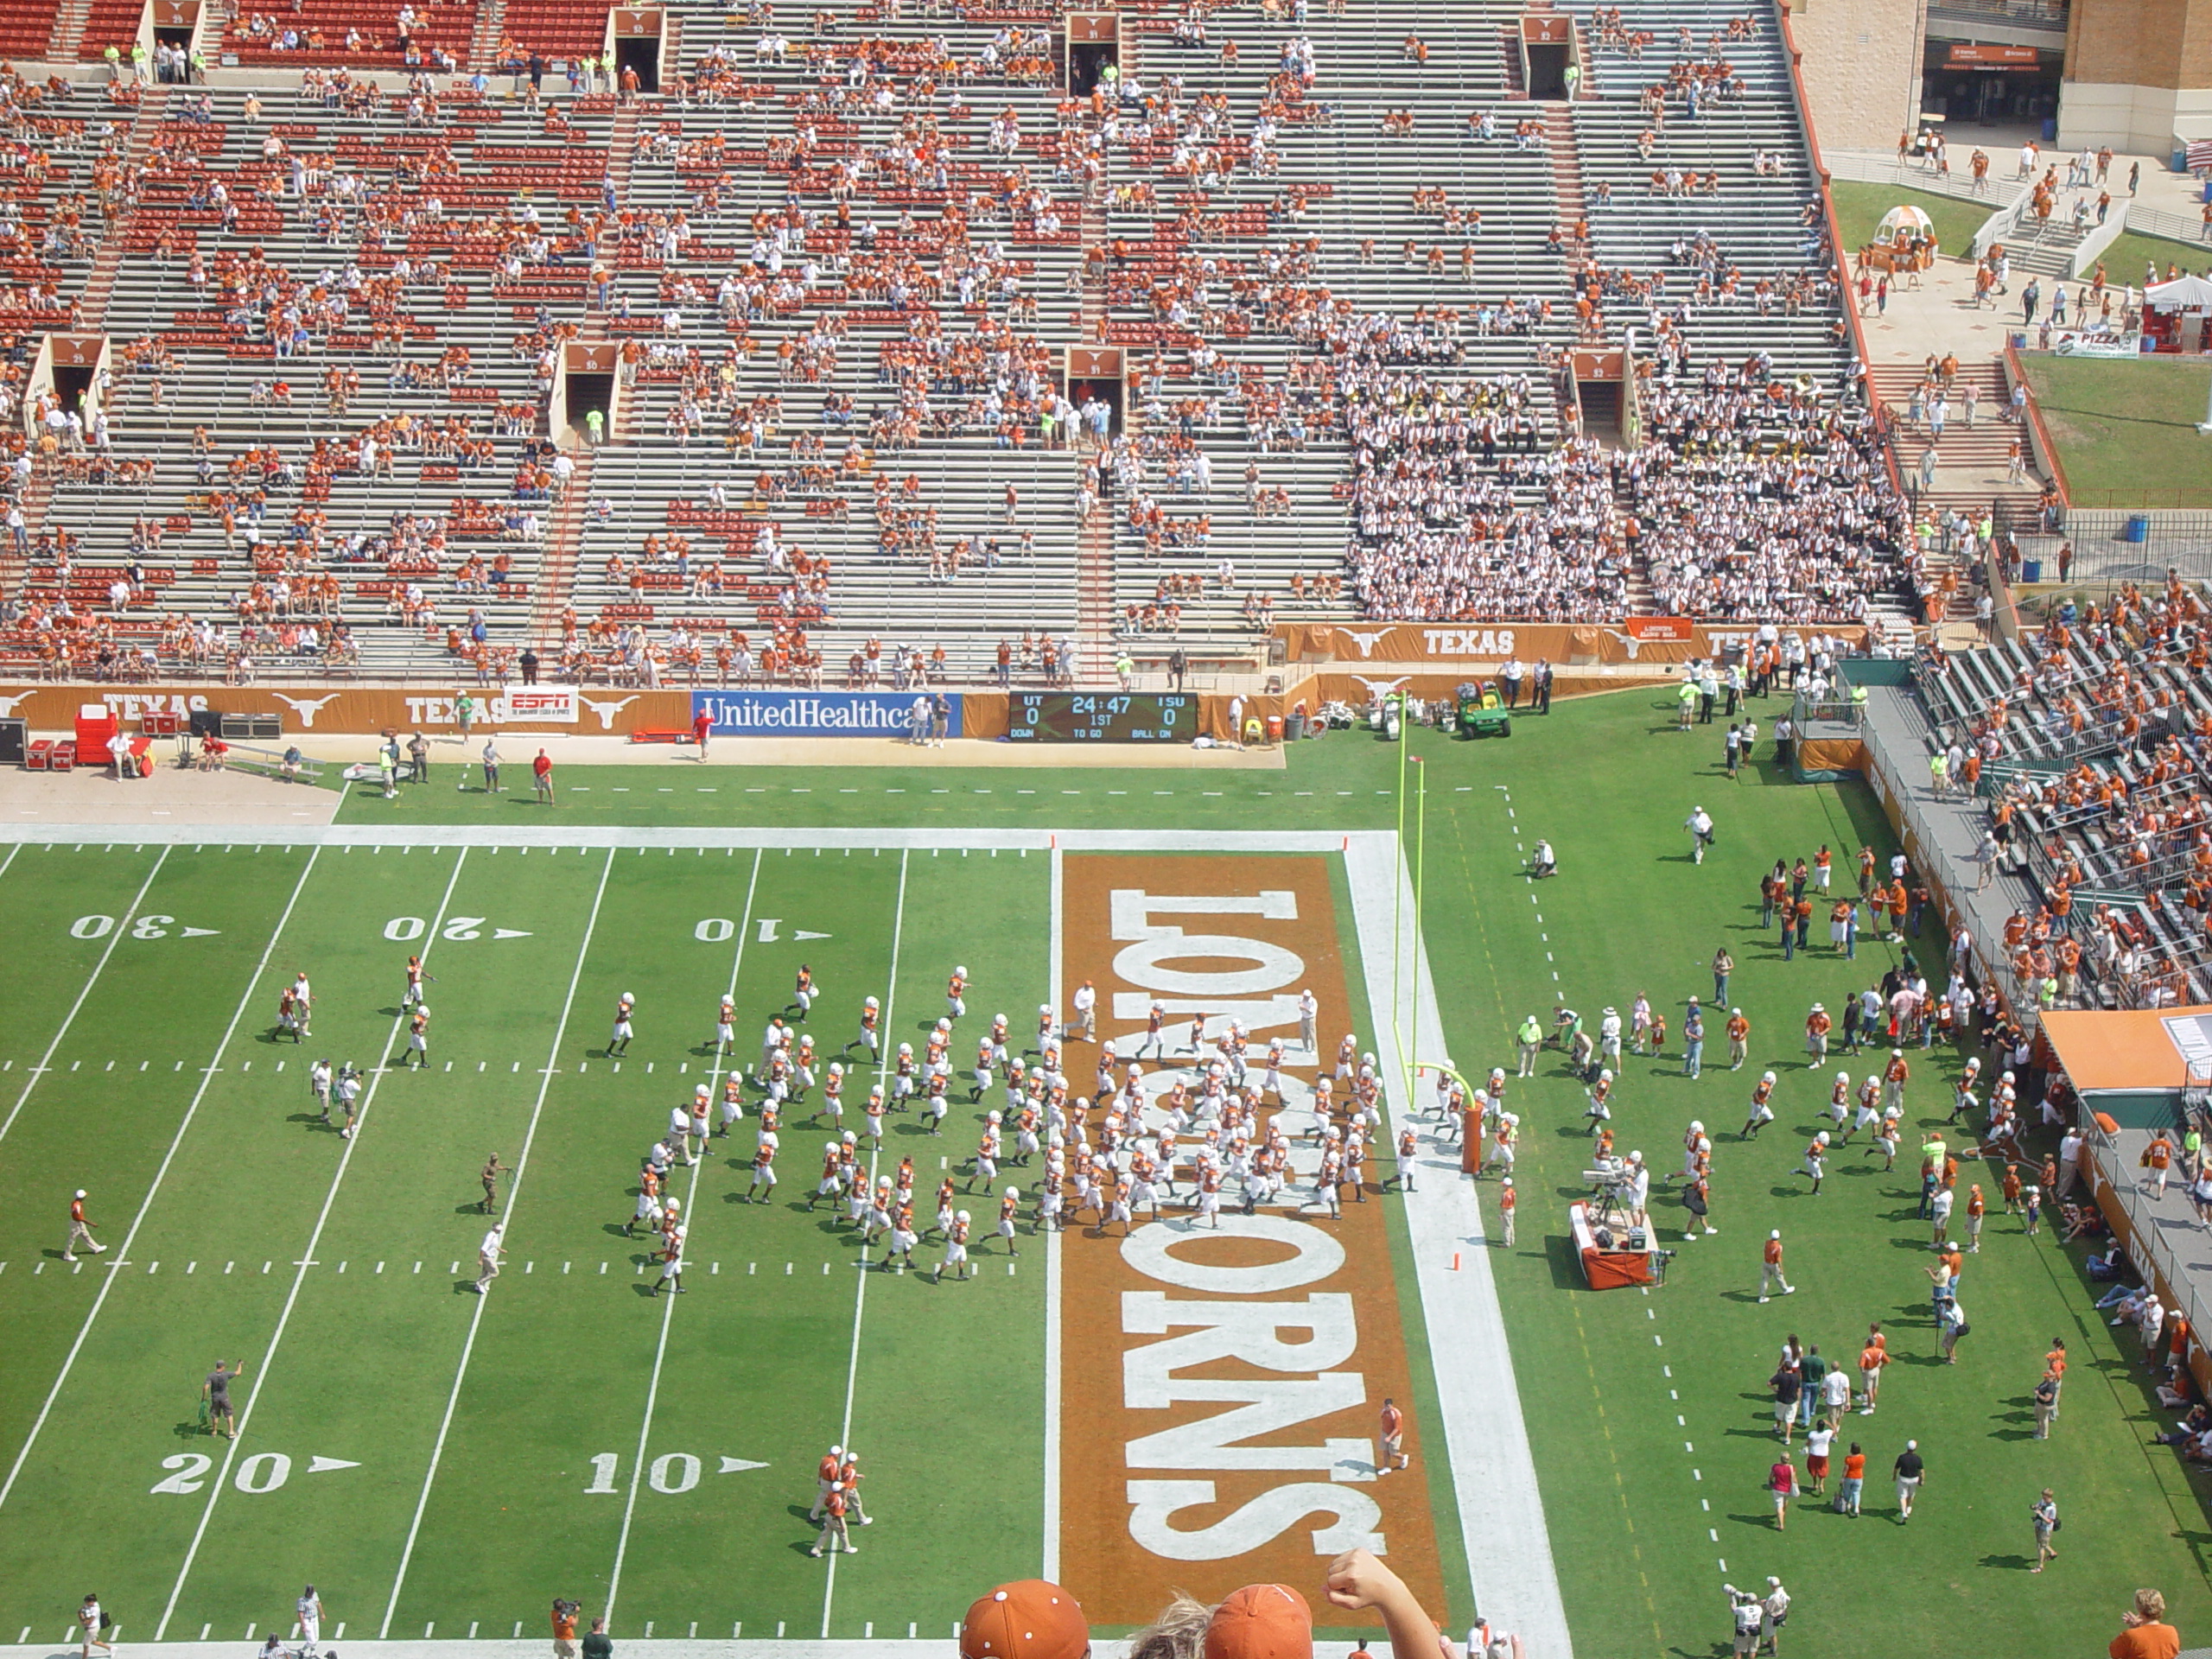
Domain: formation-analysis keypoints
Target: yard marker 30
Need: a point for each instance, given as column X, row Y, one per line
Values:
column 299, row 1278
column 155, row 1187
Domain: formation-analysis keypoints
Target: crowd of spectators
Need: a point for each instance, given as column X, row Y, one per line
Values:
column 921, row 177
column 2113, row 696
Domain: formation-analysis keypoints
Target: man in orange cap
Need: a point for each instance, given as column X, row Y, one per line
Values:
column 1262, row 1621
column 1026, row 1619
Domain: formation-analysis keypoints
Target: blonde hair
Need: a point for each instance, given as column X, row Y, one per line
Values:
column 2150, row 1605
column 1179, row 1632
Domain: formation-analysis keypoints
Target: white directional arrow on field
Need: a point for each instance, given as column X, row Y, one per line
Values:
column 802, row 934
column 201, row 933
column 738, row 1465
column 317, row 1465
column 510, row 933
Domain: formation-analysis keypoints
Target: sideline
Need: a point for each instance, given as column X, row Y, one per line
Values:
column 640, row 837
column 1493, row 1470
column 1057, row 991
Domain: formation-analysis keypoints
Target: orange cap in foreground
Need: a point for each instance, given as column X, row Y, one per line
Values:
column 1028, row 1619
column 1262, row 1621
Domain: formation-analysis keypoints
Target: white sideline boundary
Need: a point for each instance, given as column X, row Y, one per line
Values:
column 642, row 837
column 1056, row 992
column 1486, row 1438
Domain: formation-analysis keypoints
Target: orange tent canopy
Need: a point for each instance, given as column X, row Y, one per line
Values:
column 2148, row 1048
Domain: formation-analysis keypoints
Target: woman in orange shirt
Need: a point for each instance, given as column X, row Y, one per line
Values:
column 1854, row 1481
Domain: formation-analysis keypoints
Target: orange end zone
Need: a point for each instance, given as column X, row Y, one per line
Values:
column 1221, row 1394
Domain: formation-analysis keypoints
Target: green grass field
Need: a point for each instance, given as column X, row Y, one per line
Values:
column 2127, row 431
column 470, row 1427
column 270, row 1237
column 2126, row 260
column 1859, row 208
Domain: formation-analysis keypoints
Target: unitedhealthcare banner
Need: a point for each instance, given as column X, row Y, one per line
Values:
column 812, row 714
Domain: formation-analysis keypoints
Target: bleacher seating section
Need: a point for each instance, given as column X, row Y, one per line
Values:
column 877, row 323
column 2091, row 739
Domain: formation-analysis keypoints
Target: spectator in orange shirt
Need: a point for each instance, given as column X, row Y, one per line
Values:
column 2144, row 1632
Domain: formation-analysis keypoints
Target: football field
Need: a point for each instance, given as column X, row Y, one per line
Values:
column 1174, row 1408
column 441, row 1463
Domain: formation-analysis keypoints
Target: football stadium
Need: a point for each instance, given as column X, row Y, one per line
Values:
column 721, row 734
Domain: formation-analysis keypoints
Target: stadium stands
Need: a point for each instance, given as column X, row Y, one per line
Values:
column 2088, row 739
column 1348, row 267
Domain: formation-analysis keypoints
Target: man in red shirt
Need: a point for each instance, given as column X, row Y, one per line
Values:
column 541, row 770
column 702, row 727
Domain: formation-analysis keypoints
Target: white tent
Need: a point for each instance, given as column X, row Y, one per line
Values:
column 1903, row 219
column 2183, row 294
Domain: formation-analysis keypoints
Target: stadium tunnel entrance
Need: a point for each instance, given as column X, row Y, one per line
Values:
column 1093, row 44
column 1095, row 371
column 589, row 379
column 1547, row 48
column 68, row 366
column 175, row 24
column 1597, row 387
column 634, row 40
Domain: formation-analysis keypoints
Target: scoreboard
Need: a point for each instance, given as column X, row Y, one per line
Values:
column 1119, row 717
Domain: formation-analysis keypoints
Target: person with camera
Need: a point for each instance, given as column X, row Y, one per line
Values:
column 1745, row 1609
column 564, row 1627
column 2044, row 1515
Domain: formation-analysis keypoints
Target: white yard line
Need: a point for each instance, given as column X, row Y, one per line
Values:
column 1484, row 1449
column 11, row 859
column 668, row 1307
column 1051, row 1571
column 114, row 937
column 514, row 1191
column 300, row 1274
column 153, row 1187
column 876, row 1147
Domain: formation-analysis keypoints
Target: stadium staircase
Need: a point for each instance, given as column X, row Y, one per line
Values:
column 1973, row 463
column 2046, row 255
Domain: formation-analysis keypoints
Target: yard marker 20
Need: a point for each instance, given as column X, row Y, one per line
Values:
column 299, row 1279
